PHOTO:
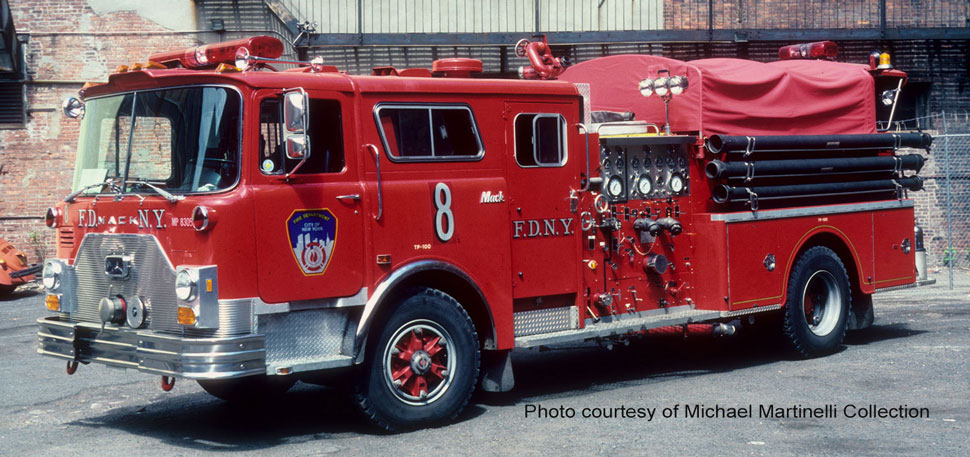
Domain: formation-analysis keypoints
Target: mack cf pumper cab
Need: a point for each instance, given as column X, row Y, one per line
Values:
column 245, row 227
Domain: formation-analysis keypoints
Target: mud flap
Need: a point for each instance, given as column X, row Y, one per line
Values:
column 860, row 313
column 497, row 371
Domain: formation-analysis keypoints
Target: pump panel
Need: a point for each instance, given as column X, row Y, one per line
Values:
column 644, row 168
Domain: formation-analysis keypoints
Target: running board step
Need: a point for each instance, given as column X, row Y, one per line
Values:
column 618, row 327
column 919, row 283
column 298, row 365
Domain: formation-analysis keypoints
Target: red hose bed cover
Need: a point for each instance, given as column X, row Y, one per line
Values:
column 738, row 97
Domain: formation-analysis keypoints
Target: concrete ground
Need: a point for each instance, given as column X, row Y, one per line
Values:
column 917, row 355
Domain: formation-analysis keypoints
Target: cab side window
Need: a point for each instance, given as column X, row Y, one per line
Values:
column 540, row 140
column 422, row 133
column 326, row 138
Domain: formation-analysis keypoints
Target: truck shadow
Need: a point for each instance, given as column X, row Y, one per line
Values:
column 19, row 294
column 309, row 413
column 878, row 333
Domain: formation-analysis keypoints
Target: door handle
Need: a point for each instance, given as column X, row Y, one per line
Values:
column 353, row 197
column 380, row 197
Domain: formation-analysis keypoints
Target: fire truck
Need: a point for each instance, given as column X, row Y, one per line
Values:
column 246, row 227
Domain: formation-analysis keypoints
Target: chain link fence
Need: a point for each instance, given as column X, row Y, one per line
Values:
column 943, row 206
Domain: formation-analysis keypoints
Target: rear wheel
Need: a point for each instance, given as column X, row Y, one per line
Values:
column 424, row 365
column 249, row 388
column 818, row 302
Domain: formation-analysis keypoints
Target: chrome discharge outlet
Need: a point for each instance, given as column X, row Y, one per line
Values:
column 113, row 309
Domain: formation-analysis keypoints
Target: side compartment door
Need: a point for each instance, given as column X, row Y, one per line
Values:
column 541, row 175
column 895, row 264
column 309, row 241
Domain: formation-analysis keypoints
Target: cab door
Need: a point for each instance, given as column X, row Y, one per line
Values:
column 541, row 175
column 309, row 227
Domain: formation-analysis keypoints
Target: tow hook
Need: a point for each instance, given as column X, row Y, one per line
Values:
column 71, row 366
column 168, row 382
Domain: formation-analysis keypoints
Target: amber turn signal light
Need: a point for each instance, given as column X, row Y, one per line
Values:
column 186, row 316
column 53, row 302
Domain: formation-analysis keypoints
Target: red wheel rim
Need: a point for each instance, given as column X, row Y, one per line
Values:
column 419, row 362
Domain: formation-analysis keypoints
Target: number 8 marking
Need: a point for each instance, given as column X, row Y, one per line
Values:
column 442, row 201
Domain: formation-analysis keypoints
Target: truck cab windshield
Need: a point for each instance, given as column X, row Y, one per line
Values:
column 181, row 140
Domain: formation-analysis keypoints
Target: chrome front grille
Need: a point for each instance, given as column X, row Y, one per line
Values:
column 151, row 278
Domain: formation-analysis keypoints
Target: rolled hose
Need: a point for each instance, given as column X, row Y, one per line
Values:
column 743, row 144
column 724, row 193
column 777, row 168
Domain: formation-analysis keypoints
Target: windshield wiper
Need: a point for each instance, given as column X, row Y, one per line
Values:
column 110, row 182
column 70, row 198
column 171, row 198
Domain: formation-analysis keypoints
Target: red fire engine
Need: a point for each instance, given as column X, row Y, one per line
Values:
column 248, row 228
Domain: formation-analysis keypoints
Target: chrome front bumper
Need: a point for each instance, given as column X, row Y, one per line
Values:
column 151, row 352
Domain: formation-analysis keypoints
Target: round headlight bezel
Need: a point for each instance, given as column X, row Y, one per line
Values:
column 51, row 277
column 646, row 87
column 661, row 85
column 186, row 285
column 678, row 84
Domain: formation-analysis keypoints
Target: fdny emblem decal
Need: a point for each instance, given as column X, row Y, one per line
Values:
column 312, row 234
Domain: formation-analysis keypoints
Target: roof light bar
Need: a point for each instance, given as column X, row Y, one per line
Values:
column 211, row 55
column 816, row 50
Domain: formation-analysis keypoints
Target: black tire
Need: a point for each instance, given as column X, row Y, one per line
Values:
column 249, row 389
column 6, row 290
column 404, row 385
column 817, row 306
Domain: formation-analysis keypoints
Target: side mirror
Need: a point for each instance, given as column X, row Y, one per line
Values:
column 73, row 108
column 296, row 118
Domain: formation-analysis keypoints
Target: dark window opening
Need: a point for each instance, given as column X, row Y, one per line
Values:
column 13, row 105
column 326, row 138
column 427, row 133
column 540, row 140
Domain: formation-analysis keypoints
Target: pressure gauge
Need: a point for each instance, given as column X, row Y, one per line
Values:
column 614, row 187
column 676, row 184
column 644, row 185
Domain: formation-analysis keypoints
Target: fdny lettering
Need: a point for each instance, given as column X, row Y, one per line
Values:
column 89, row 218
column 533, row 228
column 489, row 197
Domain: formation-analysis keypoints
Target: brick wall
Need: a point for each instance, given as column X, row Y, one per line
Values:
column 38, row 160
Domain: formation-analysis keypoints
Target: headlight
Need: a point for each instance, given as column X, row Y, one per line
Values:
column 888, row 97
column 660, row 85
column 52, row 274
column 186, row 285
column 678, row 84
column 646, row 87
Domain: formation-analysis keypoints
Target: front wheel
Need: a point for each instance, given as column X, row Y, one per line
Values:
column 818, row 301
column 424, row 365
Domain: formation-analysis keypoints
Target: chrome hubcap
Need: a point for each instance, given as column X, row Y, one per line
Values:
column 822, row 302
